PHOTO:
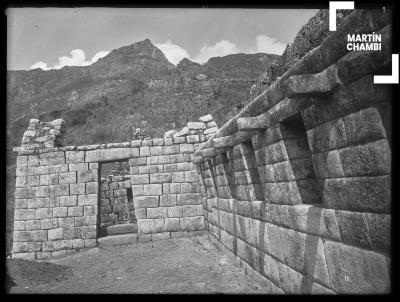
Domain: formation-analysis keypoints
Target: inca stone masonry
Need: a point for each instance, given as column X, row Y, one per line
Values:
column 296, row 187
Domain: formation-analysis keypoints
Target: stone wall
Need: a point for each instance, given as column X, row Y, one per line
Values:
column 116, row 202
column 43, row 134
column 57, row 193
column 297, row 186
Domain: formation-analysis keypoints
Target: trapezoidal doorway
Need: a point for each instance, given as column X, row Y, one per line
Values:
column 117, row 211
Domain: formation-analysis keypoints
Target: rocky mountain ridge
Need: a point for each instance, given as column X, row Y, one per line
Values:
column 133, row 86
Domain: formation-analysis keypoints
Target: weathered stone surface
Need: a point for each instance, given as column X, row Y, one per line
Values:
column 75, row 189
column 87, row 176
column 328, row 164
column 195, row 125
column 353, row 270
column 160, row 178
column 146, row 201
column 174, row 211
column 168, row 200
column 379, row 226
column 191, row 223
column 353, row 228
column 68, row 201
column 157, row 212
column 358, row 193
column 140, row 179
column 193, row 139
column 365, row 160
column 67, row 178
column 78, row 167
column 74, row 156
column 173, row 149
column 152, row 189
column 188, row 198
column 172, row 224
column 30, row 236
column 206, row 118
column 146, row 226
column 87, row 199
column 75, row 211
column 110, row 154
column 312, row 85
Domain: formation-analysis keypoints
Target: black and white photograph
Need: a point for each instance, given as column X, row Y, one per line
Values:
column 199, row 149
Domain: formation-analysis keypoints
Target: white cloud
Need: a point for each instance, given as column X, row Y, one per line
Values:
column 173, row 52
column 41, row 65
column 219, row 49
column 99, row 55
column 269, row 45
column 77, row 58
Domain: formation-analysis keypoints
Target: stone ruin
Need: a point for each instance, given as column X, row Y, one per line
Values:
column 296, row 188
column 63, row 203
column 205, row 128
column 43, row 134
column 298, row 183
column 140, row 133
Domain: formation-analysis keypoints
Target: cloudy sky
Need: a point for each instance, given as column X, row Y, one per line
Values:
column 55, row 37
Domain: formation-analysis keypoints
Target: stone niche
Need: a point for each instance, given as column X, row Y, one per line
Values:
column 319, row 146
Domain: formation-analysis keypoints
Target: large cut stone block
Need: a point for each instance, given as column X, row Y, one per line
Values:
column 328, row 136
column 138, row 161
column 364, row 126
column 26, row 247
column 146, row 226
column 140, row 179
column 371, row 194
column 68, row 201
column 172, row 224
column 75, row 211
column 67, row 178
column 152, row 189
column 379, row 227
column 75, row 156
column 87, row 200
column 44, row 213
column 188, row 198
column 60, row 212
column 160, row 177
column 157, row 212
column 39, row 235
column 146, row 201
column 369, row 159
column 38, row 203
column 26, row 192
column 111, row 154
column 24, row 214
column 328, row 164
column 168, row 200
column 191, row 223
column 46, row 224
column 88, row 176
column 353, row 228
column 353, row 270
column 174, row 211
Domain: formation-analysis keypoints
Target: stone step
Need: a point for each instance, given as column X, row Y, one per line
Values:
column 122, row 239
column 121, row 229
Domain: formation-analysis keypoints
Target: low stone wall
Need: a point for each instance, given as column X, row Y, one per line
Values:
column 57, row 193
column 297, row 187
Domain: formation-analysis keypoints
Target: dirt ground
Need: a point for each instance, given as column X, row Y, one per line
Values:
column 182, row 265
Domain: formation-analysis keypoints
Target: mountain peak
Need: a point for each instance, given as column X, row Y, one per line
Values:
column 186, row 64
